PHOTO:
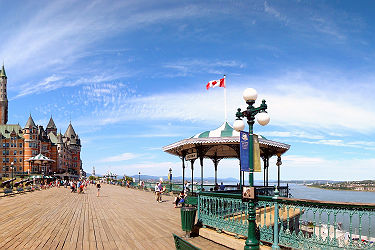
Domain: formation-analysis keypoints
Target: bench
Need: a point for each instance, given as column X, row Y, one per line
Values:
column 182, row 244
column 8, row 191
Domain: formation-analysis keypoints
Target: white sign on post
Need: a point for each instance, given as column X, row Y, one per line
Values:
column 191, row 156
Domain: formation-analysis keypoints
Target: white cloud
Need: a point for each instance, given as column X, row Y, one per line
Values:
column 273, row 12
column 302, row 110
column 48, row 40
column 308, row 168
column 121, row 157
column 192, row 66
column 146, row 168
column 341, row 143
column 291, row 134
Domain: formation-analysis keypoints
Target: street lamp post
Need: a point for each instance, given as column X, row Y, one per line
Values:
column 250, row 95
column 12, row 167
column 139, row 178
column 170, row 179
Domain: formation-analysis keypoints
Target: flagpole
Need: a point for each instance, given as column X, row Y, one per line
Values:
column 225, row 99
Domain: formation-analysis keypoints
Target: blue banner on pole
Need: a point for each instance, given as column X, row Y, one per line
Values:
column 244, row 151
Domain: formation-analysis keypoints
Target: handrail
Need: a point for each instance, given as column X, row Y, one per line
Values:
column 326, row 204
column 302, row 223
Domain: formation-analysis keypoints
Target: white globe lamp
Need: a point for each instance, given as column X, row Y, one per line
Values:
column 238, row 125
column 263, row 118
column 250, row 94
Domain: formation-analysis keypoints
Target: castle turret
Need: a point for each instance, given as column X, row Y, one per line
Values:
column 51, row 127
column 30, row 124
column 3, row 97
column 71, row 135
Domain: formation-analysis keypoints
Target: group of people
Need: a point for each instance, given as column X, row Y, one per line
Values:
column 80, row 185
column 179, row 200
column 159, row 190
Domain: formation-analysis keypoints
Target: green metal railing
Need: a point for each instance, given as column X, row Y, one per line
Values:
column 177, row 187
column 300, row 223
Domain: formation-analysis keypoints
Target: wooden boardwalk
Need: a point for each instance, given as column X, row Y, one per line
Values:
column 120, row 218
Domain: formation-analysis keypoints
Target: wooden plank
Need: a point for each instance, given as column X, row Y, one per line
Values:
column 120, row 218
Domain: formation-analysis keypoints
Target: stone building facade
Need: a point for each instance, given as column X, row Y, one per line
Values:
column 18, row 144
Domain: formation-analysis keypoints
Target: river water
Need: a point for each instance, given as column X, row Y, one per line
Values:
column 304, row 192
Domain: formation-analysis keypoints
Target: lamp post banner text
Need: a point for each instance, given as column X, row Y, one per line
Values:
column 244, row 151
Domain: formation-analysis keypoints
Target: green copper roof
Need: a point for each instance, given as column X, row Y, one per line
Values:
column 2, row 71
column 7, row 129
column 53, row 137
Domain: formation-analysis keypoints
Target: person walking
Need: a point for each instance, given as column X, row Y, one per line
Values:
column 161, row 191
column 157, row 192
column 98, row 187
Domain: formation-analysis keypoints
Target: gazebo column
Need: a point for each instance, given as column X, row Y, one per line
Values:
column 183, row 171
column 267, row 168
column 278, row 164
column 201, row 161
column 215, row 164
column 215, row 159
column 192, row 175
column 264, row 158
column 201, row 150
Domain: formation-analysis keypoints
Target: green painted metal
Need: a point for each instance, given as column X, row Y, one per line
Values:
column 204, row 134
column 301, row 223
column 191, row 200
column 182, row 244
column 187, row 218
column 275, row 244
column 251, row 241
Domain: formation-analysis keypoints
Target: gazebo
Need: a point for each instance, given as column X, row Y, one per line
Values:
column 40, row 161
column 223, row 143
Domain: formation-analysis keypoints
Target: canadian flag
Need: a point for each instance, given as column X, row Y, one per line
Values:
column 216, row 83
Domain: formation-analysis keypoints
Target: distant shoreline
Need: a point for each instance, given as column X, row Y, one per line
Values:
column 338, row 189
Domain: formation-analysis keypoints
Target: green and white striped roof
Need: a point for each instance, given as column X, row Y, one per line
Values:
column 219, row 139
column 225, row 130
column 40, row 158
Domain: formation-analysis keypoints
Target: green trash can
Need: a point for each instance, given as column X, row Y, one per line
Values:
column 188, row 218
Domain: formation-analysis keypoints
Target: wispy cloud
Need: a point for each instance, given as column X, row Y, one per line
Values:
column 121, row 157
column 189, row 66
column 368, row 145
column 304, row 167
column 146, row 167
column 275, row 13
column 299, row 108
column 291, row 134
column 56, row 47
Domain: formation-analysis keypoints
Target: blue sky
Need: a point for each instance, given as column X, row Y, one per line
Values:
column 131, row 77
